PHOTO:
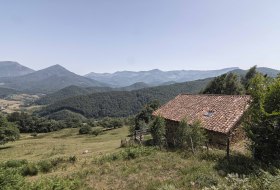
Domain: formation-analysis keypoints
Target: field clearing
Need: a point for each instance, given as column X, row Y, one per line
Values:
column 19, row 102
column 66, row 142
column 10, row 105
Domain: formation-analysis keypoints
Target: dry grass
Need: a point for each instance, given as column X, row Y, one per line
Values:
column 66, row 142
column 10, row 105
column 18, row 102
column 104, row 167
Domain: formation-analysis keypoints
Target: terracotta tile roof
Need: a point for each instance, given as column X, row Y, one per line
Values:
column 217, row 113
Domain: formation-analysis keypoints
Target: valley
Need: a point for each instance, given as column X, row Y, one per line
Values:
column 65, row 131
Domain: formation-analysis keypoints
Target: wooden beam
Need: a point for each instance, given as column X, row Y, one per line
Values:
column 228, row 148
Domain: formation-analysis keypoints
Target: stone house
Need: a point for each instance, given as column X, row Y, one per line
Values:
column 220, row 115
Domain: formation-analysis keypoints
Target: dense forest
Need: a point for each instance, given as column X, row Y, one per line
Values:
column 69, row 92
column 122, row 103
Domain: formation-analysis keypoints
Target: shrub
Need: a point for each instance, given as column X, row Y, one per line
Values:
column 72, row 159
column 85, row 130
column 15, row 163
column 55, row 183
column 45, row 166
column 158, row 131
column 190, row 137
column 10, row 179
column 97, row 131
column 30, row 169
column 135, row 152
column 56, row 161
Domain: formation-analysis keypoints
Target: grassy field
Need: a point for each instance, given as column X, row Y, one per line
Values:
column 19, row 102
column 66, row 142
column 107, row 166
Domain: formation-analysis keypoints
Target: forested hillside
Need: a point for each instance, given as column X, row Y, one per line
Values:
column 69, row 92
column 122, row 103
column 72, row 91
column 6, row 91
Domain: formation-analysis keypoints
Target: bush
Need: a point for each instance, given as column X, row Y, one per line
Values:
column 85, row 130
column 56, row 161
column 97, row 132
column 135, row 152
column 158, row 131
column 190, row 137
column 72, row 159
column 55, row 183
column 10, row 179
column 15, row 163
column 45, row 166
column 127, row 154
column 30, row 170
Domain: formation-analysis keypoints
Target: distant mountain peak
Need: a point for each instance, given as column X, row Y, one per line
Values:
column 57, row 66
column 13, row 69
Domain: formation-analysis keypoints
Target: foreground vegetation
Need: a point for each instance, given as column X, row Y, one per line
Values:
column 57, row 162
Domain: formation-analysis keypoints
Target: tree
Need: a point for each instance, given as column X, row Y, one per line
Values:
column 145, row 114
column 249, row 75
column 229, row 84
column 86, row 129
column 8, row 132
column 263, row 120
column 158, row 131
column 190, row 137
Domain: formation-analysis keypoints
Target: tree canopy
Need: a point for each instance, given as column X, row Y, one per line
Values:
column 263, row 121
column 229, row 84
column 8, row 132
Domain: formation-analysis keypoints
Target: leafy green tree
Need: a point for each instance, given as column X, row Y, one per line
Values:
column 158, row 131
column 190, row 137
column 249, row 75
column 145, row 114
column 229, row 84
column 263, row 120
column 86, row 129
column 8, row 132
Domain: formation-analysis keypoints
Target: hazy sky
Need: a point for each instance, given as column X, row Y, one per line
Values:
column 111, row 35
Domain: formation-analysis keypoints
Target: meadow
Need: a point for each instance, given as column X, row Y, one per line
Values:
column 60, row 162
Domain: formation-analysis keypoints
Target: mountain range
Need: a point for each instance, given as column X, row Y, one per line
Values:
column 52, row 79
column 47, row 80
column 155, row 77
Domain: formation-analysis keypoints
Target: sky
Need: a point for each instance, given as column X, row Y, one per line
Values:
column 114, row 35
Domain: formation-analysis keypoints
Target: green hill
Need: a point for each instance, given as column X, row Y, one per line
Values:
column 72, row 91
column 122, row 103
column 69, row 92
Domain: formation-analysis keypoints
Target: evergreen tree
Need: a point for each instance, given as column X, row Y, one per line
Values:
column 158, row 131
